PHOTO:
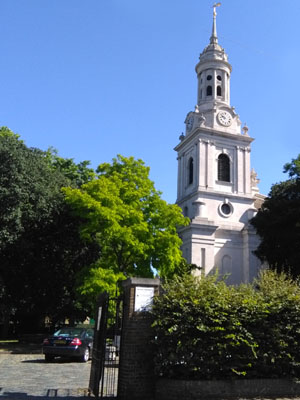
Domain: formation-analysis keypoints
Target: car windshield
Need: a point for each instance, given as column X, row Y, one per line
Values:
column 69, row 332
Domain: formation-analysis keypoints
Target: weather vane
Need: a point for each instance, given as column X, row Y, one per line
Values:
column 214, row 7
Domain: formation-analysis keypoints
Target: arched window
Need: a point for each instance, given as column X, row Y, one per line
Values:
column 223, row 168
column 191, row 171
column 219, row 91
column 209, row 91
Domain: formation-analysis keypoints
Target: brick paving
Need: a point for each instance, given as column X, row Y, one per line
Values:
column 29, row 377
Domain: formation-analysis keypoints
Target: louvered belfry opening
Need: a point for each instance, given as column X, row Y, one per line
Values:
column 223, row 168
column 191, row 171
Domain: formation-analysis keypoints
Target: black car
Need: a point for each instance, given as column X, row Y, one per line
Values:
column 69, row 342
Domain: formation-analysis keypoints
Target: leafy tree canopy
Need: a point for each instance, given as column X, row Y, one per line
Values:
column 278, row 223
column 40, row 247
column 124, row 213
column 293, row 168
column 78, row 174
column 25, row 182
column 205, row 329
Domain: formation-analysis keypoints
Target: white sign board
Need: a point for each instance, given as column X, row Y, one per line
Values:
column 143, row 298
column 99, row 318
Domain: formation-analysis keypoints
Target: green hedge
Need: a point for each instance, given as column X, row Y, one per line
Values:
column 205, row 329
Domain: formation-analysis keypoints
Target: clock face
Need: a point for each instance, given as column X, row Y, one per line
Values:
column 189, row 124
column 224, row 118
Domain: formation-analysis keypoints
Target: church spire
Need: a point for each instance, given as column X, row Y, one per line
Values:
column 213, row 71
column 214, row 37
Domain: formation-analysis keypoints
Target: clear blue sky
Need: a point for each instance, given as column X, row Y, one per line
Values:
column 94, row 78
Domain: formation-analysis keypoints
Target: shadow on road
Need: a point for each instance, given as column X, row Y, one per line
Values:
column 56, row 361
column 54, row 393
column 21, row 348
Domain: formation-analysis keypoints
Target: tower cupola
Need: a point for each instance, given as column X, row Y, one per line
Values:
column 213, row 72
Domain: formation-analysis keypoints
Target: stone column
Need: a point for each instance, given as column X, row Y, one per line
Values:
column 247, row 171
column 210, row 164
column 136, row 373
column 240, row 170
column 196, row 165
column 179, row 178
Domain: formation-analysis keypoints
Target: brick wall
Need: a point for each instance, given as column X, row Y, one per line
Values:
column 136, row 372
column 171, row 389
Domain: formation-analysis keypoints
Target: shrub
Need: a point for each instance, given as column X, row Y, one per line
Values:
column 205, row 329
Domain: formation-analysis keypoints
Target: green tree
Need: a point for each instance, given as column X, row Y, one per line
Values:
column 135, row 229
column 77, row 174
column 40, row 247
column 278, row 223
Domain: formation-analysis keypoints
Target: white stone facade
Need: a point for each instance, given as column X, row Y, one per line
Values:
column 216, row 187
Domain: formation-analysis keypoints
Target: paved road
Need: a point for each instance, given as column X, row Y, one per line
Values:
column 29, row 377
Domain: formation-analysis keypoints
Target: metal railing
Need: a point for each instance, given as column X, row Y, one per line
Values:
column 109, row 380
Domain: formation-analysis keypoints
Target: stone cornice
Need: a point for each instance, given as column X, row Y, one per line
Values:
column 214, row 194
column 214, row 133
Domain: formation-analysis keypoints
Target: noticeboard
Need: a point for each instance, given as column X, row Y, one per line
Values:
column 143, row 298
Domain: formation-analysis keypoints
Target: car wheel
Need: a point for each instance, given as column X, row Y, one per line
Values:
column 49, row 357
column 86, row 355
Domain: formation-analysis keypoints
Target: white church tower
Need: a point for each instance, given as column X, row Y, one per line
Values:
column 217, row 189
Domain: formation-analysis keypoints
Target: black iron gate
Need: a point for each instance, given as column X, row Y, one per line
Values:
column 106, row 348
